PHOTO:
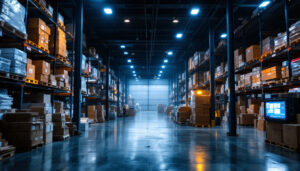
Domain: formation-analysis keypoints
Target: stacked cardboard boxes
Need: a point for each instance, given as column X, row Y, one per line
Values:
column 61, row 43
column 92, row 113
column 42, row 71
column 284, row 70
column 253, row 106
column 274, row 132
column 248, row 79
column 271, row 73
column 30, row 73
column 268, row 46
column 200, row 107
column 61, row 131
column 291, row 136
column 62, row 78
column 239, row 58
column 280, row 41
column 23, row 130
column 39, row 33
column 252, row 53
column 100, row 113
column 295, row 66
column 246, row 119
column 183, row 114
column 256, row 77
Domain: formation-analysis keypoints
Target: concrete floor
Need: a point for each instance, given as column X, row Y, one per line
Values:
column 151, row 141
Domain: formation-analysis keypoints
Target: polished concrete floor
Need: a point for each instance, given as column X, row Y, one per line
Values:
column 151, row 141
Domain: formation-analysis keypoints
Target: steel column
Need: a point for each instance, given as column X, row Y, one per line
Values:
column 78, row 57
column 261, row 47
column 186, row 82
column 286, row 16
column 212, row 73
column 230, row 59
column 107, row 87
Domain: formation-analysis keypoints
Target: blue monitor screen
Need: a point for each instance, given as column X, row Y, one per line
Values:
column 276, row 110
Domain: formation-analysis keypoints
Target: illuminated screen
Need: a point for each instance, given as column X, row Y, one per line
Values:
column 276, row 110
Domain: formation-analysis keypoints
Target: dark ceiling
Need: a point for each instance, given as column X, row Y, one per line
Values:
column 151, row 32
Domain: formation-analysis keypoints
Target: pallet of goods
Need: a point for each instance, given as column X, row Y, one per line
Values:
column 252, row 53
column 6, row 150
column 23, row 130
column 200, row 108
column 61, row 130
column 42, row 72
column 12, row 15
column 38, row 34
column 183, row 115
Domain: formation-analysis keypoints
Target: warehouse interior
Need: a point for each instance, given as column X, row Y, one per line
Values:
column 149, row 85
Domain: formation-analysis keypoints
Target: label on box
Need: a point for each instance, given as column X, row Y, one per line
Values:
column 43, row 27
column 30, row 71
column 46, row 70
column 47, row 64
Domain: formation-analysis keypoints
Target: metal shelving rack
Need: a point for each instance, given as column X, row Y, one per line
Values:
column 33, row 10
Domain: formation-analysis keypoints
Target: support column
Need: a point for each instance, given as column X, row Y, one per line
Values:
column 186, row 82
column 230, row 59
column 107, row 88
column 78, row 57
column 286, row 16
column 212, row 74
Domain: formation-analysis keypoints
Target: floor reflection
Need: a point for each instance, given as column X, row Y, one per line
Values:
column 151, row 141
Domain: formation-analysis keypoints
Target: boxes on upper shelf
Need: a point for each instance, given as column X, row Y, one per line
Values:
column 30, row 74
column 61, row 42
column 18, row 60
column 295, row 66
column 39, row 32
column 252, row 53
column 271, row 73
column 239, row 58
column 267, row 46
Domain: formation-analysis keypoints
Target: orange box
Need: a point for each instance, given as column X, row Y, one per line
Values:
column 38, row 23
column 253, row 53
column 271, row 73
column 30, row 73
column 41, row 67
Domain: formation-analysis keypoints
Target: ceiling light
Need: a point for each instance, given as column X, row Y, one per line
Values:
column 159, row 75
column 194, row 11
column 161, row 72
column 163, row 66
column 166, row 61
column 133, row 72
column 264, row 4
column 123, row 46
column 179, row 35
column 170, row 53
column 131, row 66
column 175, row 21
column 108, row 11
column 223, row 35
column 129, row 60
column 125, row 53
column 134, row 75
column 126, row 21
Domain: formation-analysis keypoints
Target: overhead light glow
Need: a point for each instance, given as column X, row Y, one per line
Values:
column 179, row 35
column 134, row 75
column 175, row 21
column 126, row 21
column 108, row 11
column 129, row 60
column 223, row 35
column 123, row 46
column 170, row 53
column 161, row 72
column 264, row 4
column 131, row 66
column 133, row 72
column 195, row 11
column 159, row 75
column 166, row 61
column 163, row 66
column 125, row 53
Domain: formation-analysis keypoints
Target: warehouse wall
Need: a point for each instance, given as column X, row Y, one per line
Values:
column 149, row 93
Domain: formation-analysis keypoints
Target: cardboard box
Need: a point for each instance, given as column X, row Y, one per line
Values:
column 41, row 67
column 52, row 80
column 42, row 78
column 58, row 118
column 252, row 53
column 271, row 73
column 59, row 107
column 274, row 132
column 21, row 117
column 38, row 23
column 246, row 119
column 291, row 135
column 30, row 72
column 38, row 98
column 62, row 72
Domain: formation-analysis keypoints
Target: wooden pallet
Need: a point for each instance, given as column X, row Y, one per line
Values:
column 62, row 58
column 31, row 81
column 62, row 25
column 295, row 41
column 280, row 48
column 60, row 137
column 7, row 152
column 290, row 148
column 271, row 82
column 201, row 125
column 7, row 155
column 47, row 84
column 44, row 49
column 256, row 87
column 38, row 46
column 17, row 77
column 273, row 143
column 12, row 30
column 266, row 55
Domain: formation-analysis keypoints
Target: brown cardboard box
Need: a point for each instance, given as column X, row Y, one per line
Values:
column 291, row 135
column 30, row 72
column 268, row 45
column 63, row 72
column 252, row 53
column 274, row 132
column 238, row 54
column 247, row 119
column 59, row 107
column 92, row 113
column 271, row 73
column 254, row 108
column 38, row 98
column 248, row 79
column 42, row 78
column 41, row 67
column 58, row 118
column 52, row 80
column 100, row 113
column 21, row 117
column 38, row 23
column 261, row 124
